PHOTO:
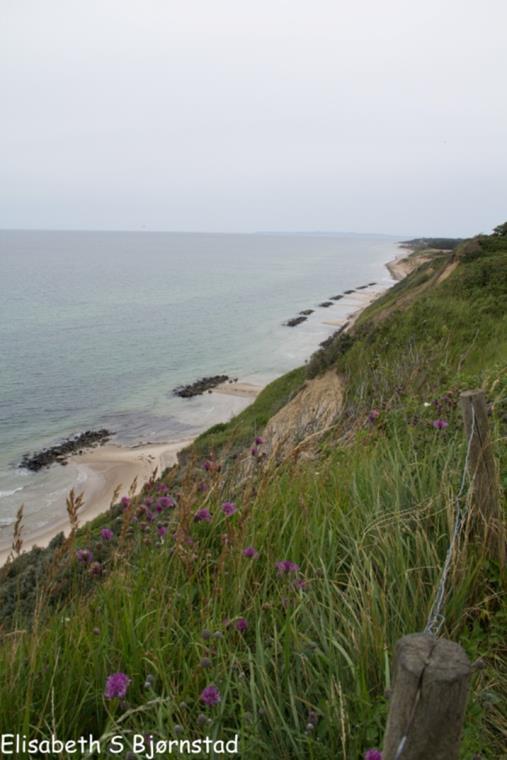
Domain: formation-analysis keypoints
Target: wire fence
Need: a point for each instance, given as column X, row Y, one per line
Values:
column 436, row 618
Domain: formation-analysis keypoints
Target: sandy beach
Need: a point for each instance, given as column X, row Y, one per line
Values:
column 105, row 469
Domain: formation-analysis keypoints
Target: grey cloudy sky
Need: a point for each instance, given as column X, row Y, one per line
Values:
column 236, row 115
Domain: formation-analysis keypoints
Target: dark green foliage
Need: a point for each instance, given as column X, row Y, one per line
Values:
column 501, row 230
column 446, row 244
column 333, row 348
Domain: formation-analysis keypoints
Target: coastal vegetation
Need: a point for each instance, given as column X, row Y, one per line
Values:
column 243, row 595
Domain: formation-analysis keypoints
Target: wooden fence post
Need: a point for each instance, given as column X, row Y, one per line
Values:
column 428, row 699
column 483, row 472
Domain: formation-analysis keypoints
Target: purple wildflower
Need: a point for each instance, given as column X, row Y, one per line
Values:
column 228, row 508
column 202, row 515
column 162, row 530
column 207, row 465
column 84, row 555
column 254, row 451
column 241, row 624
column 249, row 551
column 440, row 424
column 287, row 566
column 116, row 686
column 107, row 534
column 96, row 568
column 210, row 695
column 165, row 502
column 373, row 415
column 125, row 501
column 259, row 441
column 372, row 754
column 162, row 488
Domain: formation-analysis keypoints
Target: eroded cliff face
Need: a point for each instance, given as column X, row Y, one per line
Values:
column 297, row 427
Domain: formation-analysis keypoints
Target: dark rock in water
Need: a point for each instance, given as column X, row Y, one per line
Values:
column 371, row 283
column 61, row 451
column 325, row 304
column 200, row 386
column 336, row 298
column 306, row 312
column 361, row 287
column 347, row 292
column 295, row 321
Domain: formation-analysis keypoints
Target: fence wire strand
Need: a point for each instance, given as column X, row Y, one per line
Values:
column 436, row 618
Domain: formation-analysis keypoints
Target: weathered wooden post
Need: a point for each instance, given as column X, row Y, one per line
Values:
column 428, row 699
column 483, row 472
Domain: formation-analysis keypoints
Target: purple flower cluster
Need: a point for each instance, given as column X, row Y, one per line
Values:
column 372, row 754
column 165, row 502
column 229, row 508
column 286, row 566
column 250, row 552
column 85, row 556
column 202, row 515
column 116, row 686
column 241, row 624
column 211, row 696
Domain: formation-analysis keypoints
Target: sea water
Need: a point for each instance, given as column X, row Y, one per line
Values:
column 98, row 328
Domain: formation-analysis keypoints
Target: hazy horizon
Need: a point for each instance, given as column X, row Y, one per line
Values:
column 274, row 117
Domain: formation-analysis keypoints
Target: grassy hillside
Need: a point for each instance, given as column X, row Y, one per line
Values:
column 344, row 549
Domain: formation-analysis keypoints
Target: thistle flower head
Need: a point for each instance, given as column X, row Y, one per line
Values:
column 202, row 515
column 96, row 568
column 440, row 424
column 229, row 508
column 249, row 551
column 241, row 624
column 373, row 754
column 116, row 686
column 287, row 566
column 85, row 556
column 165, row 502
column 210, row 695
column 107, row 534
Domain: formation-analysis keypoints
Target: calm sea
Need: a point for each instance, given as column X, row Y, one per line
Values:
column 97, row 328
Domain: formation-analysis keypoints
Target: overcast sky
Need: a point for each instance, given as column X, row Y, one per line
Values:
column 242, row 115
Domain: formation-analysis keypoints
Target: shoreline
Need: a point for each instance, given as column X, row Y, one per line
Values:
column 111, row 465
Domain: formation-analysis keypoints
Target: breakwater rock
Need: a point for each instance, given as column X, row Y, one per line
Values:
column 200, row 386
column 295, row 321
column 61, row 451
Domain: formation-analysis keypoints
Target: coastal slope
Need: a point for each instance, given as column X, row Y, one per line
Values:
column 268, row 606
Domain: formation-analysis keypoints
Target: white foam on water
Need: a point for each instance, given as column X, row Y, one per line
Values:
column 10, row 493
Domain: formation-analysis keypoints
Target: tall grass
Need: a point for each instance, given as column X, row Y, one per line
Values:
column 367, row 520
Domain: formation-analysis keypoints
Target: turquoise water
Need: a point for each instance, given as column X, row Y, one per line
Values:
column 97, row 328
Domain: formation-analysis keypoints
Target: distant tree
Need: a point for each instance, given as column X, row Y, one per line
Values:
column 501, row 230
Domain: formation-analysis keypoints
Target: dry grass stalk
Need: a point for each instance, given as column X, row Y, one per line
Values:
column 17, row 539
column 74, row 504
